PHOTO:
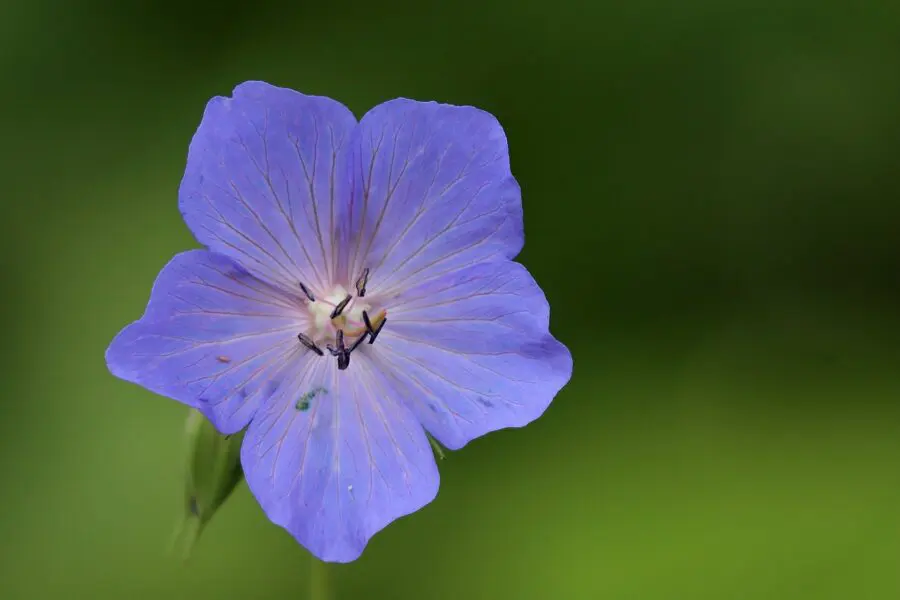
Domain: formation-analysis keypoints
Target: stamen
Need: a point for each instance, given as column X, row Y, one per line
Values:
column 306, row 291
column 341, row 306
column 373, row 333
column 343, row 357
column 361, row 283
column 358, row 341
column 307, row 341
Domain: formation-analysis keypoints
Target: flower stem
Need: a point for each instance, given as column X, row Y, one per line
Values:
column 318, row 580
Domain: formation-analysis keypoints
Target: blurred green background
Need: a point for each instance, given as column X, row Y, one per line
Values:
column 712, row 205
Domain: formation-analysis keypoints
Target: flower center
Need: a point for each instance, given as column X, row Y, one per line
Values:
column 338, row 310
column 341, row 321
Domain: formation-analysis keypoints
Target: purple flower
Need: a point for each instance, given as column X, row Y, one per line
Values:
column 358, row 290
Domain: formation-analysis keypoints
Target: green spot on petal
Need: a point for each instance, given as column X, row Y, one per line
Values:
column 306, row 399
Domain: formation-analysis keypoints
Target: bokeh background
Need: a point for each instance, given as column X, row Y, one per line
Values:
column 712, row 204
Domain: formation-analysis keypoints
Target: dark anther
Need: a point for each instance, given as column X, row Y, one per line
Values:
column 373, row 333
column 341, row 306
column 306, row 341
column 342, row 352
column 361, row 283
column 343, row 356
column 306, row 291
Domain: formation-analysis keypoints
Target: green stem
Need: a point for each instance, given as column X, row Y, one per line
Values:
column 318, row 580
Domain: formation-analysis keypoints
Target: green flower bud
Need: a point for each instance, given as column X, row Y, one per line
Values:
column 436, row 447
column 213, row 472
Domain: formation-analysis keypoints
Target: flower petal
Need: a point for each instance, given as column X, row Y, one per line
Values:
column 264, row 179
column 336, row 468
column 213, row 337
column 471, row 352
column 433, row 192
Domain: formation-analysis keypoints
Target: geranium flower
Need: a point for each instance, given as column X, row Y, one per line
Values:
column 357, row 290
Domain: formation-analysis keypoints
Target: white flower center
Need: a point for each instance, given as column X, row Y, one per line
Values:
column 341, row 321
column 350, row 320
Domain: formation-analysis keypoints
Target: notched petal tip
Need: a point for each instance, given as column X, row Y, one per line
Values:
column 116, row 355
column 402, row 103
column 347, row 551
column 473, row 353
column 119, row 354
column 252, row 89
column 338, row 472
column 439, row 189
column 255, row 89
column 212, row 337
column 565, row 363
column 263, row 170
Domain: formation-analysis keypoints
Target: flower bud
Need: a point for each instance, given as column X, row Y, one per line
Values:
column 213, row 471
column 436, row 447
